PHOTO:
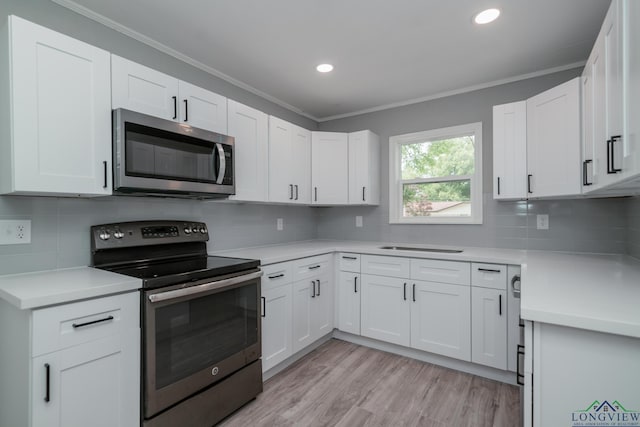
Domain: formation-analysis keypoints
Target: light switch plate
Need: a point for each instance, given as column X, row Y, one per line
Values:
column 542, row 222
column 15, row 232
column 280, row 224
column 358, row 221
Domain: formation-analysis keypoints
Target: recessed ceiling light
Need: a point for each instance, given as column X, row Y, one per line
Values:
column 324, row 68
column 486, row 16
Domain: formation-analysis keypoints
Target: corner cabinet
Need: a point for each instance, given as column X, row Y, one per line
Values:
column 364, row 168
column 510, row 151
column 329, row 168
column 250, row 128
column 56, row 117
column 289, row 162
column 145, row 90
column 79, row 365
column 553, row 142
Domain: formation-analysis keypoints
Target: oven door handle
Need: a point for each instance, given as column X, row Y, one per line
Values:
column 205, row 287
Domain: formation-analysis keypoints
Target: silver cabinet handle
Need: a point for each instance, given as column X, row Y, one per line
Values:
column 223, row 164
column 205, row 287
column 516, row 291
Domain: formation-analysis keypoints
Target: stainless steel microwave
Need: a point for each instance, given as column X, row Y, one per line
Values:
column 153, row 156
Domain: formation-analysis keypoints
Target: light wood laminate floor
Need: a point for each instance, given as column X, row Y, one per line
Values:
column 344, row 384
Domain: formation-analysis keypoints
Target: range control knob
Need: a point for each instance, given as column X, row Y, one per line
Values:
column 104, row 235
column 118, row 234
column 187, row 230
column 203, row 230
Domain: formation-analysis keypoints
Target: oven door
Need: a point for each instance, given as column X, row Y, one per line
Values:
column 197, row 334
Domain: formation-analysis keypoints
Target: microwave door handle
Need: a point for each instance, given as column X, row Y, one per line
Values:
column 222, row 162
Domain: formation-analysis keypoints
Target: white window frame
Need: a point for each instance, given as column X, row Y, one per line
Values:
column 396, row 182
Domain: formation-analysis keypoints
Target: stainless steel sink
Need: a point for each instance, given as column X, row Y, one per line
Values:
column 410, row 248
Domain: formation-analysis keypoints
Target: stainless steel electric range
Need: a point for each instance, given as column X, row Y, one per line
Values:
column 201, row 342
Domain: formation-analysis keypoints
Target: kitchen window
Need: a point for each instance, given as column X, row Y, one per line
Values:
column 435, row 176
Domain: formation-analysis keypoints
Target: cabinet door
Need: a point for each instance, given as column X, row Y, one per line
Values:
column 301, row 165
column 276, row 326
column 202, row 108
column 250, row 128
column 94, row 384
column 280, row 160
column 631, row 84
column 349, row 290
column 489, row 327
column 329, row 168
column 510, row 151
column 553, row 141
column 143, row 89
column 364, row 187
column 385, row 309
column 440, row 319
column 322, row 307
column 303, row 296
column 61, row 114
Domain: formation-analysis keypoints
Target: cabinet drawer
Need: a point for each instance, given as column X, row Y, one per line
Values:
column 385, row 266
column 489, row 275
column 68, row 325
column 275, row 275
column 310, row 267
column 458, row 273
column 349, row 262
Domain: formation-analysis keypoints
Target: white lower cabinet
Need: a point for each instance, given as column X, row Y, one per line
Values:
column 440, row 319
column 349, row 291
column 89, row 384
column 72, row 365
column 385, row 311
column 276, row 326
column 489, row 320
column 312, row 310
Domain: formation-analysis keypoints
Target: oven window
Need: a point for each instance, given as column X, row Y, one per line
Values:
column 153, row 153
column 196, row 334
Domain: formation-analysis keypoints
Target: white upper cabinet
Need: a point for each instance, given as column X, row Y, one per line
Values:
column 329, row 168
column 202, row 108
column 56, row 122
column 145, row 90
column 553, row 142
column 289, row 162
column 250, row 128
column 510, row 151
column 301, row 167
column 364, row 168
column 611, row 152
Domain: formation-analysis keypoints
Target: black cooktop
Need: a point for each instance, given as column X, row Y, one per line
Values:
column 157, row 274
column 161, row 253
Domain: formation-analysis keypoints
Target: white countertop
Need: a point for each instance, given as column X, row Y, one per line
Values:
column 587, row 291
column 43, row 288
column 285, row 252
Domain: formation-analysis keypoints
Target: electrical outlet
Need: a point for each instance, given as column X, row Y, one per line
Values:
column 358, row 221
column 15, row 232
column 280, row 224
column 542, row 222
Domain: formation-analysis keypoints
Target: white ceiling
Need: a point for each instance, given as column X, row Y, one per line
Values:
column 385, row 52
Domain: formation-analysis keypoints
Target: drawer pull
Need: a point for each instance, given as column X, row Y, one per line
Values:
column 47, row 392
column 350, row 257
column 314, row 267
column 489, row 270
column 93, row 322
column 276, row 276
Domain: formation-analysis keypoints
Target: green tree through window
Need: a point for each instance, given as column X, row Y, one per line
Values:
column 432, row 159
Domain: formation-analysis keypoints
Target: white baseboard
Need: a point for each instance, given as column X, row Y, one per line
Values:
column 294, row 358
